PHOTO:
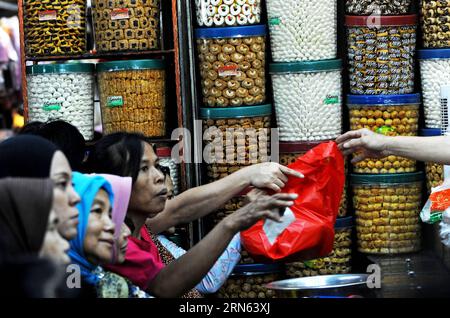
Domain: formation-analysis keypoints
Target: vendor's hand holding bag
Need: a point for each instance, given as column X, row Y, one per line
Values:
column 307, row 228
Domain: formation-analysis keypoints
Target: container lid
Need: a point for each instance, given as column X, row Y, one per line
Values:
column 301, row 67
column 61, row 68
column 164, row 152
column 299, row 147
column 376, row 100
column 130, row 65
column 428, row 54
column 231, row 32
column 373, row 21
column 236, row 112
column 252, row 269
column 431, row 132
column 386, row 178
column 343, row 223
column 320, row 282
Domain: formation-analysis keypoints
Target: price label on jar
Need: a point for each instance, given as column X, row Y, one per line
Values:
column 114, row 101
column 331, row 100
column 229, row 70
column 120, row 14
column 275, row 21
column 48, row 15
column 48, row 107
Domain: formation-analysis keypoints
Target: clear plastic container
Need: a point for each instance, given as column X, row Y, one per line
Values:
column 165, row 159
column 229, row 208
column 235, row 138
column 338, row 262
column 387, row 211
column 132, row 97
column 434, row 171
column 62, row 92
column 291, row 151
column 232, row 65
column 225, row 13
column 391, row 115
column 54, row 27
column 308, row 99
column 126, row 25
column 381, row 54
column 302, row 30
column 248, row 281
column 383, row 7
column 435, row 19
column 435, row 72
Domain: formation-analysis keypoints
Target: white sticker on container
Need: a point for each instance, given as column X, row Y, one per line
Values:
column 273, row 229
column 48, row 107
column 48, row 15
column 120, row 14
column 229, row 70
column 114, row 101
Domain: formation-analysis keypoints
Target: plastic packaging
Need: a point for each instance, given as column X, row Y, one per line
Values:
column 381, row 54
column 306, row 93
column 391, row 115
column 132, row 97
column 62, row 92
column 218, row 13
column 387, row 211
column 126, row 25
column 302, row 30
column 434, row 171
column 382, row 7
column 338, row 262
column 232, row 65
column 54, row 27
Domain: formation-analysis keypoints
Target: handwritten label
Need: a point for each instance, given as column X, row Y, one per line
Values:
column 229, row 70
column 120, row 14
column 48, row 107
column 48, row 15
column 331, row 100
column 114, row 101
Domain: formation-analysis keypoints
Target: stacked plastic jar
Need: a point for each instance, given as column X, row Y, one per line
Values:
column 391, row 115
column 435, row 23
column 434, row 171
column 165, row 159
column 387, row 211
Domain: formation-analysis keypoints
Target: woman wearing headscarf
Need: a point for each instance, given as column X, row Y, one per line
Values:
column 95, row 244
column 35, row 157
column 30, row 244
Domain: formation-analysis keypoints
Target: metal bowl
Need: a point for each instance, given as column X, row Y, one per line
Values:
column 327, row 286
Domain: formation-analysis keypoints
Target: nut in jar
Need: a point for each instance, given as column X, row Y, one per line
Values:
column 126, row 25
column 435, row 23
column 387, row 213
column 54, row 27
column 132, row 97
column 399, row 118
column 232, row 69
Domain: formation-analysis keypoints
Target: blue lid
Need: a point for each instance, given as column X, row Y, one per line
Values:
column 231, row 32
column 249, row 269
column 430, row 132
column 383, row 99
column 428, row 54
column 343, row 223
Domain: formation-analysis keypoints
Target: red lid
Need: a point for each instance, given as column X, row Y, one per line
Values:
column 388, row 20
column 164, row 152
column 299, row 147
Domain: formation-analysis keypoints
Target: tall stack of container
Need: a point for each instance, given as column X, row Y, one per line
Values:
column 387, row 191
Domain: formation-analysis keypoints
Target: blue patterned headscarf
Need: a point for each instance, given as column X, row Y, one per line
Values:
column 87, row 187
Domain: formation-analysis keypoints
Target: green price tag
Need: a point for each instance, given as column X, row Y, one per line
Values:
column 384, row 130
column 310, row 264
column 274, row 21
column 435, row 217
column 114, row 101
column 50, row 107
column 332, row 100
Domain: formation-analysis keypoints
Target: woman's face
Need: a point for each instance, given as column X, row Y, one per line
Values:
column 55, row 247
column 149, row 193
column 122, row 243
column 65, row 198
column 99, row 240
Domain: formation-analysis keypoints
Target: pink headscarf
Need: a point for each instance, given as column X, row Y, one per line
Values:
column 122, row 193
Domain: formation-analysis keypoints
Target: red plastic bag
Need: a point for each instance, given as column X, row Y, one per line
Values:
column 308, row 230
